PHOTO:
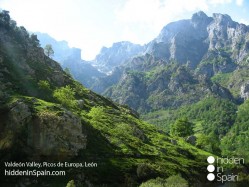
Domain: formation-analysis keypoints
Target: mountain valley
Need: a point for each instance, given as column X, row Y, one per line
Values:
column 145, row 114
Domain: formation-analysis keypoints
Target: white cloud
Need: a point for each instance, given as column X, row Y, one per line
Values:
column 156, row 11
column 239, row 2
column 217, row 2
column 147, row 11
column 62, row 19
column 130, row 35
column 152, row 15
column 246, row 22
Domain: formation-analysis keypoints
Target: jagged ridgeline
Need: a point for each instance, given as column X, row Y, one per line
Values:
column 45, row 115
column 187, row 61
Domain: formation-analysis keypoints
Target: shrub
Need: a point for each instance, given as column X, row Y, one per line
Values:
column 65, row 96
column 45, row 91
column 44, row 85
column 176, row 181
column 172, row 181
column 70, row 183
column 158, row 182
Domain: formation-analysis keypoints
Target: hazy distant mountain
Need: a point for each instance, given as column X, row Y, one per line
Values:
column 109, row 58
column 61, row 49
column 70, row 58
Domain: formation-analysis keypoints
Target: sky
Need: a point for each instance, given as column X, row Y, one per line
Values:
column 92, row 24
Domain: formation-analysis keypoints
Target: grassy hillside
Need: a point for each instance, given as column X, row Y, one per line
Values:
column 45, row 115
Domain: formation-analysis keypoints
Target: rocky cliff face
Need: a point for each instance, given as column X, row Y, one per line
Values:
column 244, row 91
column 187, row 41
column 109, row 58
column 204, row 46
column 46, row 132
column 165, row 87
column 182, row 41
column 24, row 127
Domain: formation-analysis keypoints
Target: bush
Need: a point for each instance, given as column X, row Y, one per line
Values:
column 158, row 182
column 70, row 183
column 97, row 113
column 176, row 181
column 65, row 96
column 44, row 85
column 45, row 91
column 172, row 181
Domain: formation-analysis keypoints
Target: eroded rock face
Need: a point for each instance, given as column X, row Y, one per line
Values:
column 48, row 133
column 244, row 91
column 53, row 135
column 19, row 115
column 116, row 55
column 189, row 40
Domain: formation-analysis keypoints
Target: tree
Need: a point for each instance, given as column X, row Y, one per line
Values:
column 182, row 128
column 48, row 50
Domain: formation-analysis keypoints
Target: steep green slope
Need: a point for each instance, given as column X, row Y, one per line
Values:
column 163, row 86
column 213, row 118
column 45, row 115
column 234, row 81
column 235, row 141
column 209, row 112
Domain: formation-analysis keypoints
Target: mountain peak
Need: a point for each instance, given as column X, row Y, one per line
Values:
column 222, row 18
column 113, row 56
column 199, row 16
column 200, row 19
